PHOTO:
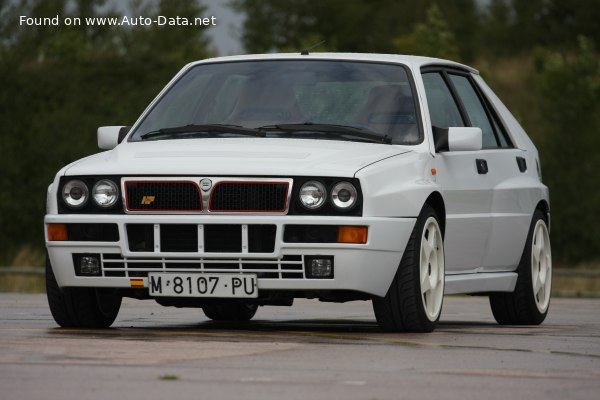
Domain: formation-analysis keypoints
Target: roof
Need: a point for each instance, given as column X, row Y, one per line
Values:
column 412, row 61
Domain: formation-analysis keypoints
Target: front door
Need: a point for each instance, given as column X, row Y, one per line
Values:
column 466, row 187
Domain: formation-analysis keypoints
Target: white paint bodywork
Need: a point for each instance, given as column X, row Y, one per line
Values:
column 486, row 216
column 464, row 139
column 236, row 156
column 108, row 137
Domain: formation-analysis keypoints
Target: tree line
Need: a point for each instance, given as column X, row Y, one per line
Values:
column 60, row 83
column 540, row 56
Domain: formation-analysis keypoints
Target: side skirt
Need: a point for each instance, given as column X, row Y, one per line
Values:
column 481, row 282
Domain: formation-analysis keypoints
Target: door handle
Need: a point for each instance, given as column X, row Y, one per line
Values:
column 482, row 167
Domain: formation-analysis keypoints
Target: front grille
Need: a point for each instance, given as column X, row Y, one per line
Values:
column 220, row 238
column 178, row 238
column 286, row 267
column 93, row 232
column 214, row 238
column 261, row 238
column 140, row 237
column 162, row 196
column 249, row 197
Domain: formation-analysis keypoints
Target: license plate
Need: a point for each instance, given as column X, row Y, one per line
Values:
column 202, row 285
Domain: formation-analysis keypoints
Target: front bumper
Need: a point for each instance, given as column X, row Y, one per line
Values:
column 367, row 268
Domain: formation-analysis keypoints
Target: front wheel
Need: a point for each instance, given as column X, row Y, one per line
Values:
column 530, row 301
column 81, row 307
column 414, row 301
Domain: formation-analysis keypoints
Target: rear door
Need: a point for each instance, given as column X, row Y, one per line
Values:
column 510, row 208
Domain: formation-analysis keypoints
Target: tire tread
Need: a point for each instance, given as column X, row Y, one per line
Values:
column 77, row 307
column 518, row 307
column 401, row 309
column 230, row 312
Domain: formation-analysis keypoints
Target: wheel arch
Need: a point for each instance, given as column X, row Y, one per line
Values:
column 436, row 201
column 544, row 207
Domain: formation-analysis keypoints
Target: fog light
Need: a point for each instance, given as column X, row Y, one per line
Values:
column 89, row 266
column 319, row 267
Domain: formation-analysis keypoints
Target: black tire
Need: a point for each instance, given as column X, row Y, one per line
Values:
column 230, row 311
column 520, row 306
column 402, row 309
column 80, row 307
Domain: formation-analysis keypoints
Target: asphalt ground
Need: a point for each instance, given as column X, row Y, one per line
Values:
column 309, row 351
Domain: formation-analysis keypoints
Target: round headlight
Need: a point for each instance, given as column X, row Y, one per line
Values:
column 105, row 193
column 75, row 194
column 313, row 195
column 344, row 195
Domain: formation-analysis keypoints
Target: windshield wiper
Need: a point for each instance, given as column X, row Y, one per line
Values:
column 206, row 128
column 329, row 128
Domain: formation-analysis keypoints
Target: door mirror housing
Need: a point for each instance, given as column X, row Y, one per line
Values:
column 110, row 136
column 457, row 138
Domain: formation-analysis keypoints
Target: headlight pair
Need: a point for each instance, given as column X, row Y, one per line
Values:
column 313, row 195
column 76, row 194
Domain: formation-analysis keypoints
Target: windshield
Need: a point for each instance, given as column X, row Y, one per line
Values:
column 273, row 96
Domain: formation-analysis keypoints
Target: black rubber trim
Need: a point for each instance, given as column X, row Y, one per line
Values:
column 440, row 139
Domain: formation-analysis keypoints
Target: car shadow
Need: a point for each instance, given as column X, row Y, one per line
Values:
column 305, row 330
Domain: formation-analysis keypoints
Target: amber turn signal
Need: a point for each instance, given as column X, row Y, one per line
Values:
column 352, row 234
column 57, row 232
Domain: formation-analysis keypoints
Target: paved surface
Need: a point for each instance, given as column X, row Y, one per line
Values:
column 310, row 351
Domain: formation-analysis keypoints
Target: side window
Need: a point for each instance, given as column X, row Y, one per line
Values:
column 442, row 107
column 501, row 134
column 474, row 109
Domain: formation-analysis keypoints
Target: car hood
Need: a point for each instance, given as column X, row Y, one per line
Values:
column 236, row 156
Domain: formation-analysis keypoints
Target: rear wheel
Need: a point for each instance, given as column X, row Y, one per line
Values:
column 230, row 311
column 81, row 307
column 530, row 301
column 414, row 301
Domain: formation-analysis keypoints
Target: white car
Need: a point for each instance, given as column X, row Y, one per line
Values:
column 254, row 180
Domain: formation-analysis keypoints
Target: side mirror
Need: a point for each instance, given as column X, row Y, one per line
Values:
column 110, row 136
column 457, row 138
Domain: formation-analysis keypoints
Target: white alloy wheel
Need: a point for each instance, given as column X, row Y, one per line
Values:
column 529, row 302
column 541, row 266
column 432, row 269
column 414, row 300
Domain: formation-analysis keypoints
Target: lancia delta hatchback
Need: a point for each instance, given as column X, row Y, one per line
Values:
column 255, row 180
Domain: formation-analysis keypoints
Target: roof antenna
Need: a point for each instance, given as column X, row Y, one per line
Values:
column 305, row 51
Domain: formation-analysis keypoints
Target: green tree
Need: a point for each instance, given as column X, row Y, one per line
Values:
column 518, row 26
column 569, row 84
column 60, row 83
column 556, row 101
column 356, row 26
column 430, row 38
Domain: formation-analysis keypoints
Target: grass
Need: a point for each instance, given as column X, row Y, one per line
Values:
column 581, row 280
column 25, row 282
column 29, row 256
column 20, row 283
